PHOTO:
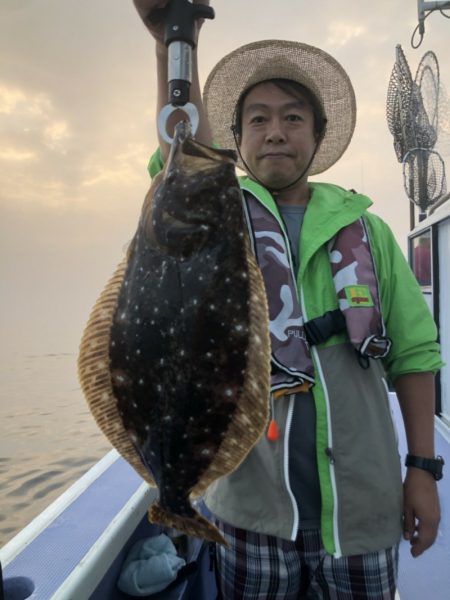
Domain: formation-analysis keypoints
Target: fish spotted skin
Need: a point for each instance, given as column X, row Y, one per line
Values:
column 182, row 344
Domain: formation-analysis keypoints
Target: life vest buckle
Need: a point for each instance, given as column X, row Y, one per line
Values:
column 320, row 329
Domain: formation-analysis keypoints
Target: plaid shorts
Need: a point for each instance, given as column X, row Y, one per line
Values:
column 265, row 567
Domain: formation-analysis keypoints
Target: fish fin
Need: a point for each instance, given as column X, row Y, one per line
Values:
column 195, row 526
column 95, row 377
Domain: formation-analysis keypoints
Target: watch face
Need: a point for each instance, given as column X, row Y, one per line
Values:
column 434, row 466
column 439, row 465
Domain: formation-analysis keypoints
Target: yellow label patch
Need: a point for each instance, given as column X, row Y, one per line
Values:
column 358, row 295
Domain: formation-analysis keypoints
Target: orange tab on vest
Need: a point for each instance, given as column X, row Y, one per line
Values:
column 273, row 433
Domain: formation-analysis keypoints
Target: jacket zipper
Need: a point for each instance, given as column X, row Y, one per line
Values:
column 388, row 400
column 291, row 400
column 286, row 467
column 329, row 450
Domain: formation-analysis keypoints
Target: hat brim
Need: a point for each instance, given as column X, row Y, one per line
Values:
column 274, row 59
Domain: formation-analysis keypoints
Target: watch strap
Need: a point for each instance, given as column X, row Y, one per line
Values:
column 432, row 465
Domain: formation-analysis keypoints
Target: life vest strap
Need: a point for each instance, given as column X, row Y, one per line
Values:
column 320, row 329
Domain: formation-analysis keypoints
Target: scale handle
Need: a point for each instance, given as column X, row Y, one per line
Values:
column 179, row 17
column 180, row 21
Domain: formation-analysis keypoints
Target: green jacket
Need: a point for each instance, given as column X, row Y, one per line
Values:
column 357, row 455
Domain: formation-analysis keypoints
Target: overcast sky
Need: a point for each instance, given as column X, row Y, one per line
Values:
column 77, row 90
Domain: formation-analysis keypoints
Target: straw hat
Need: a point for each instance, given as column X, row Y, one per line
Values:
column 270, row 59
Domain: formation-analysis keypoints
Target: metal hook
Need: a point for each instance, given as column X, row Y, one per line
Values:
column 191, row 111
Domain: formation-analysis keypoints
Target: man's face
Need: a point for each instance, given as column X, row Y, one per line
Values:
column 277, row 140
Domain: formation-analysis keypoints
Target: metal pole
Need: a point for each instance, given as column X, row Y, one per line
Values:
column 422, row 169
column 412, row 223
column 423, row 7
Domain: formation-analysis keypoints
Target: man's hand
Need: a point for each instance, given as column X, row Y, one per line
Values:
column 421, row 512
column 145, row 7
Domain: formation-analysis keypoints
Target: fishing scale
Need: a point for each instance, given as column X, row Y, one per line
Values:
column 179, row 18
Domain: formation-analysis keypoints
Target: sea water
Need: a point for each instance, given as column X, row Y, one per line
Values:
column 48, row 437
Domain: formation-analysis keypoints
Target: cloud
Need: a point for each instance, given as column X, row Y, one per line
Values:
column 51, row 155
column 25, row 118
column 342, row 32
column 15, row 155
column 9, row 99
column 125, row 168
column 55, row 135
column 34, row 139
column 14, row 100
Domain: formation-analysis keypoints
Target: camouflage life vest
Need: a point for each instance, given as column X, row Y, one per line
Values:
column 356, row 285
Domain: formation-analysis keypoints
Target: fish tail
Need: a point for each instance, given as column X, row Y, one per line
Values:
column 194, row 526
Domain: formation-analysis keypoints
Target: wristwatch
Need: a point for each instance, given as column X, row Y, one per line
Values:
column 432, row 465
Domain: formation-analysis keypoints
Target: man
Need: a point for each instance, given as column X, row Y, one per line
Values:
column 316, row 509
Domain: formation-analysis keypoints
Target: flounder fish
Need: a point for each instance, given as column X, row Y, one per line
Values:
column 175, row 359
